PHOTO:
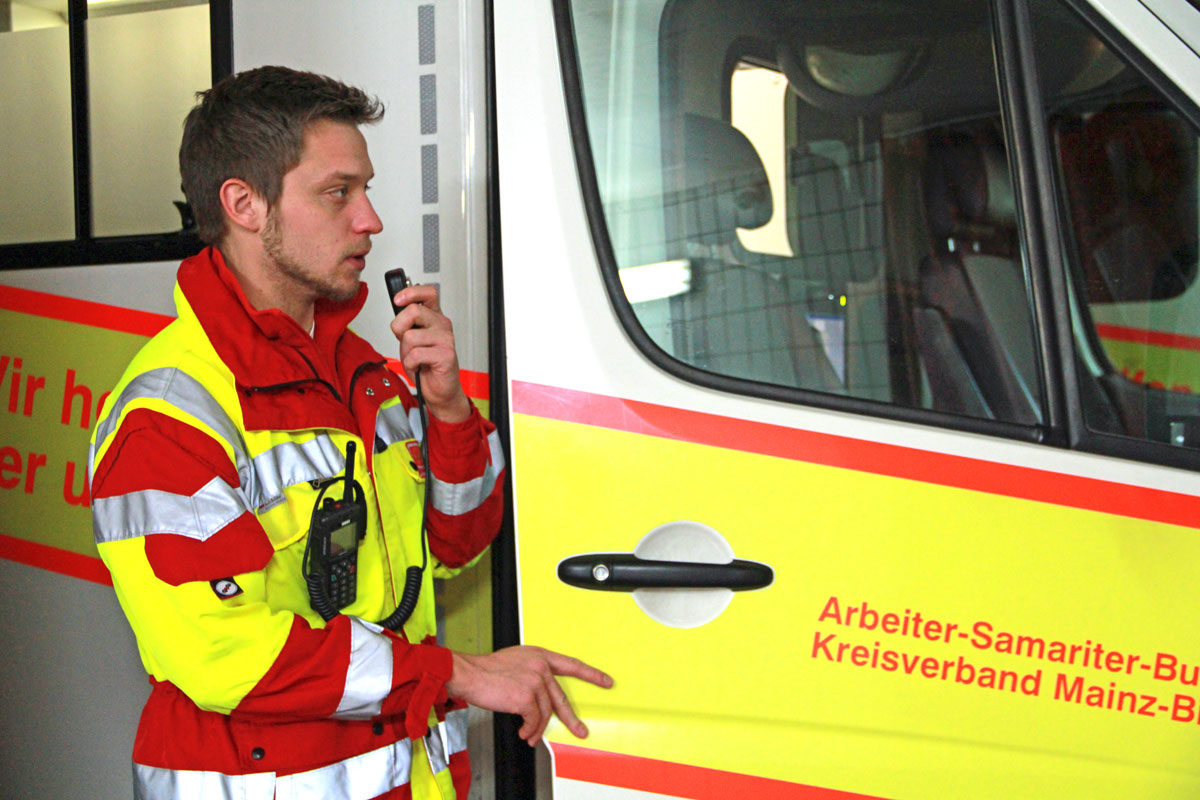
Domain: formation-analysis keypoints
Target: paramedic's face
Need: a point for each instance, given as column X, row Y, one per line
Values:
column 319, row 232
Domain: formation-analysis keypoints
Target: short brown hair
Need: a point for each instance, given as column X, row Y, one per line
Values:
column 251, row 126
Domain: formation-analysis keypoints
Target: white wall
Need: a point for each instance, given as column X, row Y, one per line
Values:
column 373, row 44
column 73, row 688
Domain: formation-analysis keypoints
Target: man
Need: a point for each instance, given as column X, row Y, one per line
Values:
column 233, row 430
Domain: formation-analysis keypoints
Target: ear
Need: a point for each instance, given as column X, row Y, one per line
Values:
column 244, row 208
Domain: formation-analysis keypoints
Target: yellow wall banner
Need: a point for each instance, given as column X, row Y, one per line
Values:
column 58, row 359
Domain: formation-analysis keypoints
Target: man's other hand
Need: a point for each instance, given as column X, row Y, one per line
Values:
column 521, row 680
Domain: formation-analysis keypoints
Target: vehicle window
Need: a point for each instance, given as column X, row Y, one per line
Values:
column 1127, row 167
column 815, row 197
column 142, row 65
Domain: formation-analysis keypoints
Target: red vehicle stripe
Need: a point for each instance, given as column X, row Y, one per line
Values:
column 1140, row 336
column 475, row 384
column 878, row 458
column 680, row 780
column 74, row 565
column 83, row 312
column 145, row 323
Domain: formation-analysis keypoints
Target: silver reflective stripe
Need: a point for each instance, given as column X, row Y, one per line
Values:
column 414, row 422
column 199, row 516
column 289, row 463
column 459, row 498
column 156, row 783
column 391, row 426
column 369, row 677
column 359, row 778
column 262, row 479
column 446, row 738
column 185, row 393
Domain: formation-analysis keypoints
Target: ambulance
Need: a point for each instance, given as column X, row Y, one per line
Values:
column 847, row 355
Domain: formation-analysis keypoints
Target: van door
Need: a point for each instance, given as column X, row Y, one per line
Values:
column 819, row 444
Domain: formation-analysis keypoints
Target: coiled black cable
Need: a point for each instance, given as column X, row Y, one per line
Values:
column 414, row 575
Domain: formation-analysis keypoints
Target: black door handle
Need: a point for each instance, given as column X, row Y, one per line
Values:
column 624, row 572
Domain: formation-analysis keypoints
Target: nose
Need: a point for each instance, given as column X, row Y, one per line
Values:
column 366, row 220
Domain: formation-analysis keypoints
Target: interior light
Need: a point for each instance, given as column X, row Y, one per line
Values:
column 656, row 281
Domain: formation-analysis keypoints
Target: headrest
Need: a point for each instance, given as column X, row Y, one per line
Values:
column 1130, row 172
column 968, row 189
column 1136, row 157
column 725, row 183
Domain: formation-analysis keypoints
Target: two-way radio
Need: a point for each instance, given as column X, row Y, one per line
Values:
column 331, row 554
column 330, row 563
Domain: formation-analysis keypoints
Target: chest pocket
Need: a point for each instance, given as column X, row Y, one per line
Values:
column 286, row 480
column 394, row 428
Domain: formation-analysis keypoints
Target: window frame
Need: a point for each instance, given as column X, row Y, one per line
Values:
column 1048, row 204
column 1038, row 208
column 637, row 334
column 86, row 249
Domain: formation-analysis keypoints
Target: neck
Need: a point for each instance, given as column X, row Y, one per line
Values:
column 266, row 288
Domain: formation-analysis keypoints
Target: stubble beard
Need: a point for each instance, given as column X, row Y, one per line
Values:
column 291, row 268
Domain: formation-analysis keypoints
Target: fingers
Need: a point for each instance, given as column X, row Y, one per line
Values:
column 416, row 318
column 523, row 680
column 417, row 338
column 567, row 665
column 560, row 664
column 536, row 710
column 545, row 711
column 563, row 709
column 425, row 294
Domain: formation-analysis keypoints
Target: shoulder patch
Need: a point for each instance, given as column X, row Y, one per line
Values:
column 225, row 588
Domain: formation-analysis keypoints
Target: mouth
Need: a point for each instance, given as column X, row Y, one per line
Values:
column 358, row 258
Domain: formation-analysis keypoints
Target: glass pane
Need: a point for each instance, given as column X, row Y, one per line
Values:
column 145, row 67
column 815, row 195
column 1128, row 170
column 36, row 172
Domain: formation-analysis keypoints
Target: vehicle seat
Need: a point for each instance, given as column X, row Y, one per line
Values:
column 1130, row 173
column 725, row 187
column 972, row 318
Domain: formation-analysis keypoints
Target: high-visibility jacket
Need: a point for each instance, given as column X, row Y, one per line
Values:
column 206, row 464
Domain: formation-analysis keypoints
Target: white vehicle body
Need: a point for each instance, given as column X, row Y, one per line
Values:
column 516, row 133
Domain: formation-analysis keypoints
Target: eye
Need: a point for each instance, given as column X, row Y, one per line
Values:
column 340, row 192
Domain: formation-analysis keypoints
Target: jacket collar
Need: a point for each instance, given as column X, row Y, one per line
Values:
column 266, row 347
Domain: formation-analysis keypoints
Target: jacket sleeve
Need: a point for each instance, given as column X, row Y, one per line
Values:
column 187, row 558
column 468, row 472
